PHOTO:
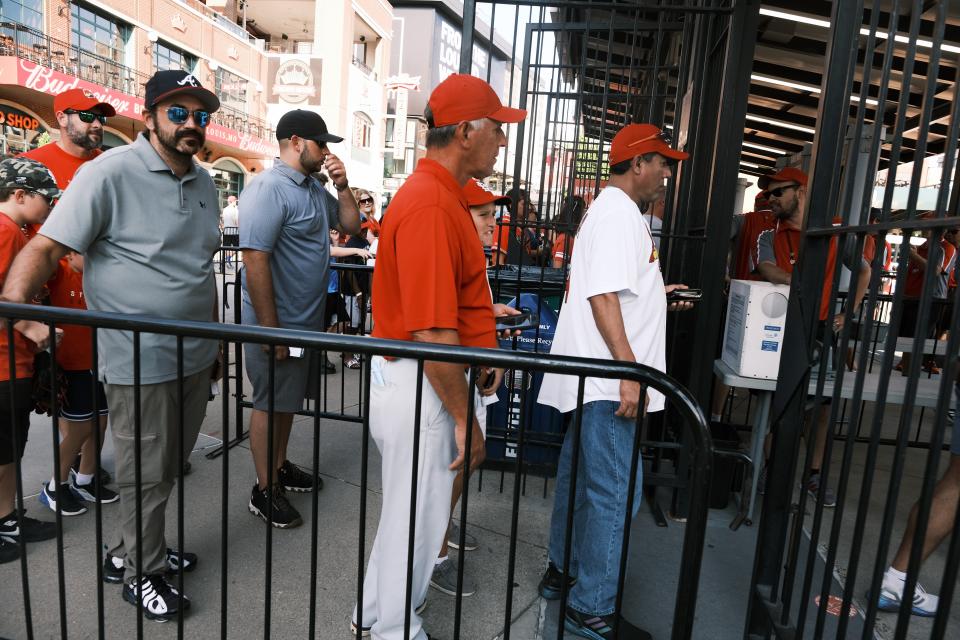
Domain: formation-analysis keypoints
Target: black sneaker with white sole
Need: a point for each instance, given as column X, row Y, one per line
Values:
column 64, row 498
column 284, row 515
column 92, row 492
column 294, row 478
column 158, row 598
column 9, row 551
column 365, row 631
column 25, row 529
column 551, row 584
column 113, row 566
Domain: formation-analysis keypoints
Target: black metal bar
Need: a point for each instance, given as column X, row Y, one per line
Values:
column 225, row 486
column 271, row 429
column 515, row 510
column 54, row 419
column 314, row 502
column 137, row 481
column 466, row 43
column 571, row 504
column 180, row 496
column 97, row 506
column 636, row 467
column 464, row 494
column 408, row 590
column 18, row 471
column 364, row 466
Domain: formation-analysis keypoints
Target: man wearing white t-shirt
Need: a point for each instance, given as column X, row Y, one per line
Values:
column 616, row 309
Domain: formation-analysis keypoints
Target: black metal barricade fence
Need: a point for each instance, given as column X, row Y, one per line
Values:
column 352, row 318
column 810, row 573
column 23, row 604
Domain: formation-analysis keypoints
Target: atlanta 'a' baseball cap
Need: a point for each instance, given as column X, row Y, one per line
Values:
column 172, row 82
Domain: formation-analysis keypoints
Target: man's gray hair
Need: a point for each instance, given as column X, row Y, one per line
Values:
column 439, row 137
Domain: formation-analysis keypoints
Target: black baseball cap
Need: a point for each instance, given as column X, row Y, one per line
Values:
column 305, row 124
column 172, row 82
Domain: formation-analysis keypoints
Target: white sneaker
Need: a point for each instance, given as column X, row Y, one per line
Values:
column 924, row 604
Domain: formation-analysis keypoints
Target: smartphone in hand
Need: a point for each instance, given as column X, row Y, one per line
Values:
column 685, row 295
column 519, row 322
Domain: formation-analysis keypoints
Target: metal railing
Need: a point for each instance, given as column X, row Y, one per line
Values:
column 30, row 44
column 679, row 401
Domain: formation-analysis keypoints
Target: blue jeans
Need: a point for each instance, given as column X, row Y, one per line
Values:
column 603, row 477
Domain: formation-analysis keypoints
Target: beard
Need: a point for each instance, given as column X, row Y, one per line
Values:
column 172, row 141
column 90, row 140
column 311, row 165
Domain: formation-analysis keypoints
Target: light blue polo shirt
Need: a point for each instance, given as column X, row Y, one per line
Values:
column 148, row 240
column 289, row 215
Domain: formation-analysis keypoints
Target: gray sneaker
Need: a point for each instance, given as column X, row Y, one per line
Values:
column 453, row 539
column 444, row 579
column 814, row 488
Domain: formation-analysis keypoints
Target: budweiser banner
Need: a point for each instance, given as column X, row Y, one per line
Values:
column 39, row 78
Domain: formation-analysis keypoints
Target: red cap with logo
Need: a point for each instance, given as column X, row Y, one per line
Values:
column 639, row 139
column 462, row 98
column 479, row 194
column 787, row 174
column 81, row 100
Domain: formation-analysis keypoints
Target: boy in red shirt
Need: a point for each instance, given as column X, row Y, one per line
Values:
column 69, row 488
column 27, row 192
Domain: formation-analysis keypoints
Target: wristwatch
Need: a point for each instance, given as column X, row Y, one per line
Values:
column 345, row 186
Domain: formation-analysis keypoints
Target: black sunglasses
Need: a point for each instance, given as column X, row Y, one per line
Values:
column 88, row 116
column 779, row 191
column 179, row 115
column 365, row 201
column 50, row 199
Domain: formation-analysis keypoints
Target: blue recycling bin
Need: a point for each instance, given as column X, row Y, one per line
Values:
column 518, row 393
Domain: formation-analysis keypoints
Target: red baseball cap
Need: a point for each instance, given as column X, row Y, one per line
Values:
column 761, row 203
column 479, row 194
column 638, row 139
column 80, row 100
column 787, row 174
column 461, row 97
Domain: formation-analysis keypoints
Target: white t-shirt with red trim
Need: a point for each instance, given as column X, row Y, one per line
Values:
column 615, row 254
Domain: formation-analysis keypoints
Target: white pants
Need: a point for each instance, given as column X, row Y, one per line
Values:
column 393, row 388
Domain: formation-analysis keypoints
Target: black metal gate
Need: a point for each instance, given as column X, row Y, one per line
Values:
column 890, row 71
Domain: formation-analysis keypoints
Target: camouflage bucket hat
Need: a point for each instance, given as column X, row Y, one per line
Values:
column 24, row 173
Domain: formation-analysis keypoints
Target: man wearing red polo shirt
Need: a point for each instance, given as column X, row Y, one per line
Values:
column 430, row 285
column 778, row 250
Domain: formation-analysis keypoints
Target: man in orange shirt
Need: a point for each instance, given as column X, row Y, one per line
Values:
column 80, row 118
column 430, row 285
column 27, row 192
column 916, row 272
column 778, row 250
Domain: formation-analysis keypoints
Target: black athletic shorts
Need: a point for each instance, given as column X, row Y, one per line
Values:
column 78, row 406
column 23, row 404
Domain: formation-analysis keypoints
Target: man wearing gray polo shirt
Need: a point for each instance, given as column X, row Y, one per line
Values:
column 145, row 217
column 285, row 220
